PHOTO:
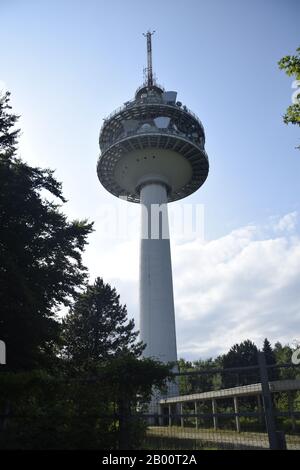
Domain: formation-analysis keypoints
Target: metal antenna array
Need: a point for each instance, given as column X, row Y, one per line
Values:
column 149, row 58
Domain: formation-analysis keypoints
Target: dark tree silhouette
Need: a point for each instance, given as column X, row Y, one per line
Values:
column 240, row 355
column 97, row 327
column 40, row 253
column 273, row 373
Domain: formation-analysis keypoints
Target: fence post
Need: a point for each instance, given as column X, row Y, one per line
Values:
column 124, row 424
column 236, row 410
column 281, row 441
column 4, row 419
column 214, row 410
column 181, row 413
column 267, row 401
column 170, row 414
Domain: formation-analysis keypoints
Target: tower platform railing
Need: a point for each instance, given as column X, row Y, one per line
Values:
column 199, row 142
column 148, row 100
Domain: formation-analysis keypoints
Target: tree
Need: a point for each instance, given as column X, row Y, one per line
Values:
column 97, row 328
column 40, row 254
column 8, row 135
column 282, row 353
column 270, row 360
column 240, row 355
column 100, row 412
column 291, row 66
column 133, row 383
column 202, row 378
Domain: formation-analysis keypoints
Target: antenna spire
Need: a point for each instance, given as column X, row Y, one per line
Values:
column 149, row 58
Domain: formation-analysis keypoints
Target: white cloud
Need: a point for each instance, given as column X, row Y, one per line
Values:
column 243, row 285
column 287, row 222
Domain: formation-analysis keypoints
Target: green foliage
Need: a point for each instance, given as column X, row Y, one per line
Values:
column 54, row 413
column 283, row 355
column 240, row 355
column 133, row 383
column 291, row 66
column 40, row 254
column 97, row 328
column 8, row 135
column 41, row 411
column 270, row 356
column 269, row 353
column 135, row 377
column 45, row 403
column 199, row 382
column 292, row 114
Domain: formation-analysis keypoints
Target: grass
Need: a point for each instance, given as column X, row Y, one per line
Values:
column 176, row 437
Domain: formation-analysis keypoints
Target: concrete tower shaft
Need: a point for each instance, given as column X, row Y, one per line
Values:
column 157, row 318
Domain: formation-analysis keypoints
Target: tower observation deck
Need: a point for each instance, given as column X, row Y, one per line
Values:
column 152, row 152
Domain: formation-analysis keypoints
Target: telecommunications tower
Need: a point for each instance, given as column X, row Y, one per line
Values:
column 152, row 153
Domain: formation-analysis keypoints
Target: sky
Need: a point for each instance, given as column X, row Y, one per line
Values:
column 70, row 63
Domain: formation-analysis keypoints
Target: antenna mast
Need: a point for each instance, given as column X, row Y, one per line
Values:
column 149, row 58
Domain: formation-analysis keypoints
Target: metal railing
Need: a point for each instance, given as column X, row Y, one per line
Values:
column 153, row 100
column 153, row 130
column 236, row 408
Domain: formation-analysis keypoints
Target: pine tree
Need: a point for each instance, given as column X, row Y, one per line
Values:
column 8, row 135
column 97, row 328
column 240, row 355
column 270, row 359
column 269, row 353
column 40, row 253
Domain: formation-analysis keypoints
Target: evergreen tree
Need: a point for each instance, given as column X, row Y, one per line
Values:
column 270, row 360
column 40, row 254
column 8, row 135
column 240, row 355
column 97, row 328
column 269, row 353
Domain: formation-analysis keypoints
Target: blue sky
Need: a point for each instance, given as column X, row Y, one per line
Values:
column 69, row 63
